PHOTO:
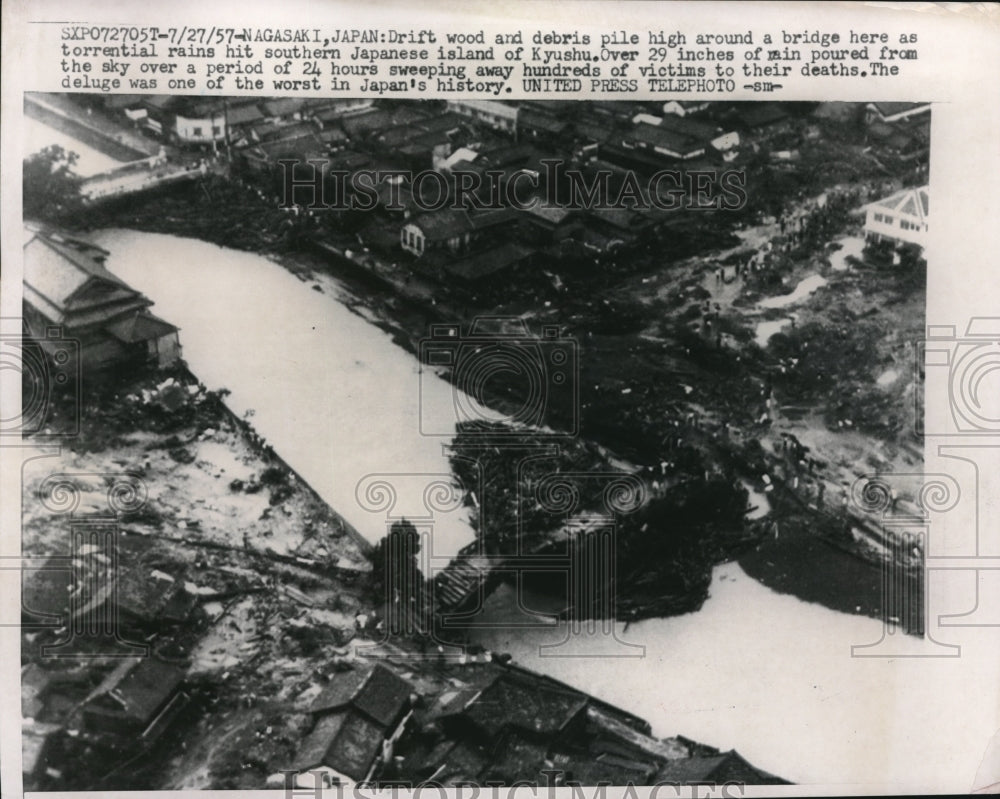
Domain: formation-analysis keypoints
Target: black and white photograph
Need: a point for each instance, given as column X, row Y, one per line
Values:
column 467, row 443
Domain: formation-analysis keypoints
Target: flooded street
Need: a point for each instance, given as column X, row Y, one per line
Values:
column 805, row 287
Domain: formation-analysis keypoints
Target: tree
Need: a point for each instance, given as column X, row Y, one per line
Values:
column 397, row 577
column 51, row 188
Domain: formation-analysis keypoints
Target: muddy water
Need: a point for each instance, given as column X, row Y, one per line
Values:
column 764, row 673
column 773, row 677
column 38, row 135
column 329, row 390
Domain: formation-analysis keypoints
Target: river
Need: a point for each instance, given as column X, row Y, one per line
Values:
column 38, row 135
column 764, row 673
column 328, row 389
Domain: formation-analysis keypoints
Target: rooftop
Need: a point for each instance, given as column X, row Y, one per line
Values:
column 378, row 693
column 513, row 703
column 912, row 202
column 345, row 741
column 443, row 225
column 487, row 263
column 138, row 687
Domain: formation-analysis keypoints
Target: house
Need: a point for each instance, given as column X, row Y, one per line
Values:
column 365, row 122
column 894, row 112
column 330, row 109
column 493, row 113
column 762, row 118
column 907, row 142
column 201, row 123
column 147, row 600
column 137, row 700
column 158, row 112
column 553, row 223
column 283, row 107
column 503, row 725
column 662, row 141
column 449, row 229
column 358, row 717
column 901, row 218
column 620, row 111
column 496, row 260
column 719, row 138
column 64, row 588
column 51, row 595
column 238, row 116
column 539, row 125
column 462, row 157
column 513, row 702
column 188, row 121
column 69, row 294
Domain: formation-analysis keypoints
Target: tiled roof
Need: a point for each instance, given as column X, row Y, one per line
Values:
column 379, row 694
column 512, row 703
column 489, row 262
column 661, row 138
column 141, row 326
column 762, row 114
column 443, row 225
column 345, row 741
column 913, row 202
column 140, row 687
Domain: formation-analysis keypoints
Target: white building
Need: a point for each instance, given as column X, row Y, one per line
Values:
column 201, row 130
column 901, row 218
column 497, row 115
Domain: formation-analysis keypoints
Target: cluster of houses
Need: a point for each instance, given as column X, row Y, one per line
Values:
column 477, row 136
column 487, row 137
column 492, row 724
column 76, row 710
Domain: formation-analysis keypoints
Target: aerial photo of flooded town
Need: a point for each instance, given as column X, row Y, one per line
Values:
column 465, row 442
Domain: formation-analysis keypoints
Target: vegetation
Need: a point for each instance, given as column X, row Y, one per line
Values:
column 51, row 189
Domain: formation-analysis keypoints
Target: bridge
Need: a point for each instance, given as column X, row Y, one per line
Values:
column 136, row 176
